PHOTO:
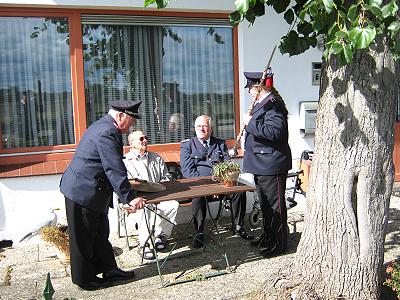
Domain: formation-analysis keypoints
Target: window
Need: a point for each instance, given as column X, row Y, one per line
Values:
column 35, row 83
column 178, row 71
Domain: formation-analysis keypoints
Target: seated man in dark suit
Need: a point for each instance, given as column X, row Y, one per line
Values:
column 197, row 157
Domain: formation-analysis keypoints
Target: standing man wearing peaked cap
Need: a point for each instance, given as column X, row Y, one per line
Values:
column 268, row 157
column 95, row 171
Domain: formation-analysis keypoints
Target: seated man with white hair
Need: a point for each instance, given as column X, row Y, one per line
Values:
column 149, row 166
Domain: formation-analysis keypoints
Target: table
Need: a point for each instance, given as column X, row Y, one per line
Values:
column 184, row 189
column 189, row 188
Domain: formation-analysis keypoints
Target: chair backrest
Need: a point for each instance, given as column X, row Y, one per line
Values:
column 174, row 169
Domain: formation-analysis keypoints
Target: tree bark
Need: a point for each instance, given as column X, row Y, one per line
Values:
column 340, row 254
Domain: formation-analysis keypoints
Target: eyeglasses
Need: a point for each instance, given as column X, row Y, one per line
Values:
column 142, row 138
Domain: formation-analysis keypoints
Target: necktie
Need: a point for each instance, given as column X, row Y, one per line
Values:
column 205, row 144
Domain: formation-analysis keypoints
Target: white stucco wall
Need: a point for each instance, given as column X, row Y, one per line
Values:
column 25, row 202
column 28, row 203
column 292, row 75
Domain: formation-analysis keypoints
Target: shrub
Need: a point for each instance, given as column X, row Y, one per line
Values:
column 393, row 271
column 57, row 236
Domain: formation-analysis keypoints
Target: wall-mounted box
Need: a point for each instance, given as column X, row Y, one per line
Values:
column 308, row 115
column 316, row 73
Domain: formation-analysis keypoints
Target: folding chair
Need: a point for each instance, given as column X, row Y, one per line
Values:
column 122, row 214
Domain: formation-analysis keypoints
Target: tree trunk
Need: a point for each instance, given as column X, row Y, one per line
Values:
column 340, row 254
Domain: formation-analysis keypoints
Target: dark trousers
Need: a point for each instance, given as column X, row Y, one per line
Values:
column 90, row 251
column 199, row 209
column 271, row 192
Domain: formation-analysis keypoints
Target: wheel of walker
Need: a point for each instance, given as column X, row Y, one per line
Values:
column 255, row 218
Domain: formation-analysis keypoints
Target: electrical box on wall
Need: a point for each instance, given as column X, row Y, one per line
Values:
column 308, row 115
column 316, row 73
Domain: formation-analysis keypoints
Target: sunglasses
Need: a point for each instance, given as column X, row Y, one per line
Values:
column 142, row 138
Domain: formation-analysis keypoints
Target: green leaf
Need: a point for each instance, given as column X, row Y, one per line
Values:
column 375, row 10
column 302, row 14
column 319, row 22
column 342, row 14
column 314, row 10
column 341, row 34
column 394, row 26
column 281, row 5
column 333, row 29
column 389, row 9
column 250, row 16
column 313, row 41
column 352, row 13
column 362, row 37
column 259, row 9
column 289, row 16
column 336, row 48
column 148, row 2
column 302, row 44
column 242, row 6
column 329, row 5
column 376, row 3
column 235, row 18
column 162, row 3
column 348, row 53
column 305, row 28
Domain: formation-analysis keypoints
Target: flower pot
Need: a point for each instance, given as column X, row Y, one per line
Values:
column 231, row 178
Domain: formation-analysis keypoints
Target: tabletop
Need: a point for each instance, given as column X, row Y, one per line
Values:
column 183, row 189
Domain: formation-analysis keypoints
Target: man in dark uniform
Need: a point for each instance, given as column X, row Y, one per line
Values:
column 268, row 157
column 88, row 184
column 197, row 157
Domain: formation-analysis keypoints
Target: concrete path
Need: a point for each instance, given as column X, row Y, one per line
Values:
column 24, row 268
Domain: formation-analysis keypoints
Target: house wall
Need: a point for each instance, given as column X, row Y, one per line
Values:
column 26, row 202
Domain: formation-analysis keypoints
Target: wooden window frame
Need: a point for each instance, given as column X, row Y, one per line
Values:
column 56, row 158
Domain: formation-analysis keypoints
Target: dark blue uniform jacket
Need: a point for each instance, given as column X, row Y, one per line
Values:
column 97, row 168
column 197, row 161
column 267, row 150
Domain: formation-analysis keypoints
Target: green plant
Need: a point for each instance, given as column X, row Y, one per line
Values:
column 222, row 171
column 393, row 270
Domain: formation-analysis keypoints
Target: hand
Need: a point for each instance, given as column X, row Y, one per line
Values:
column 246, row 119
column 135, row 204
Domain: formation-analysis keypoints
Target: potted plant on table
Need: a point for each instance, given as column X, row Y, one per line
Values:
column 227, row 172
column 57, row 235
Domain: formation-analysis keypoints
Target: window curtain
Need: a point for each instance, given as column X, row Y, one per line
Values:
column 35, row 83
column 198, row 79
column 179, row 72
column 124, row 63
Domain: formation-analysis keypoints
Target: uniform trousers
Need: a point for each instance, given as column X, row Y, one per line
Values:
column 271, row 192
column 199, row 209
column 91, row 252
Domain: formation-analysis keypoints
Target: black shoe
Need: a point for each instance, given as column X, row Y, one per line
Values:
column 198, row 241
column 97, row 284
column 272, row 251
column 118, row 275
column 261, row 242
column 243, row 234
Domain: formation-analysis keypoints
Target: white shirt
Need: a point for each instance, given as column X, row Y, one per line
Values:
column 202, row 142
column 150, row 166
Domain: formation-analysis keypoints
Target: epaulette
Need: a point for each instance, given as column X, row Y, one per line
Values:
column 184, row 141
